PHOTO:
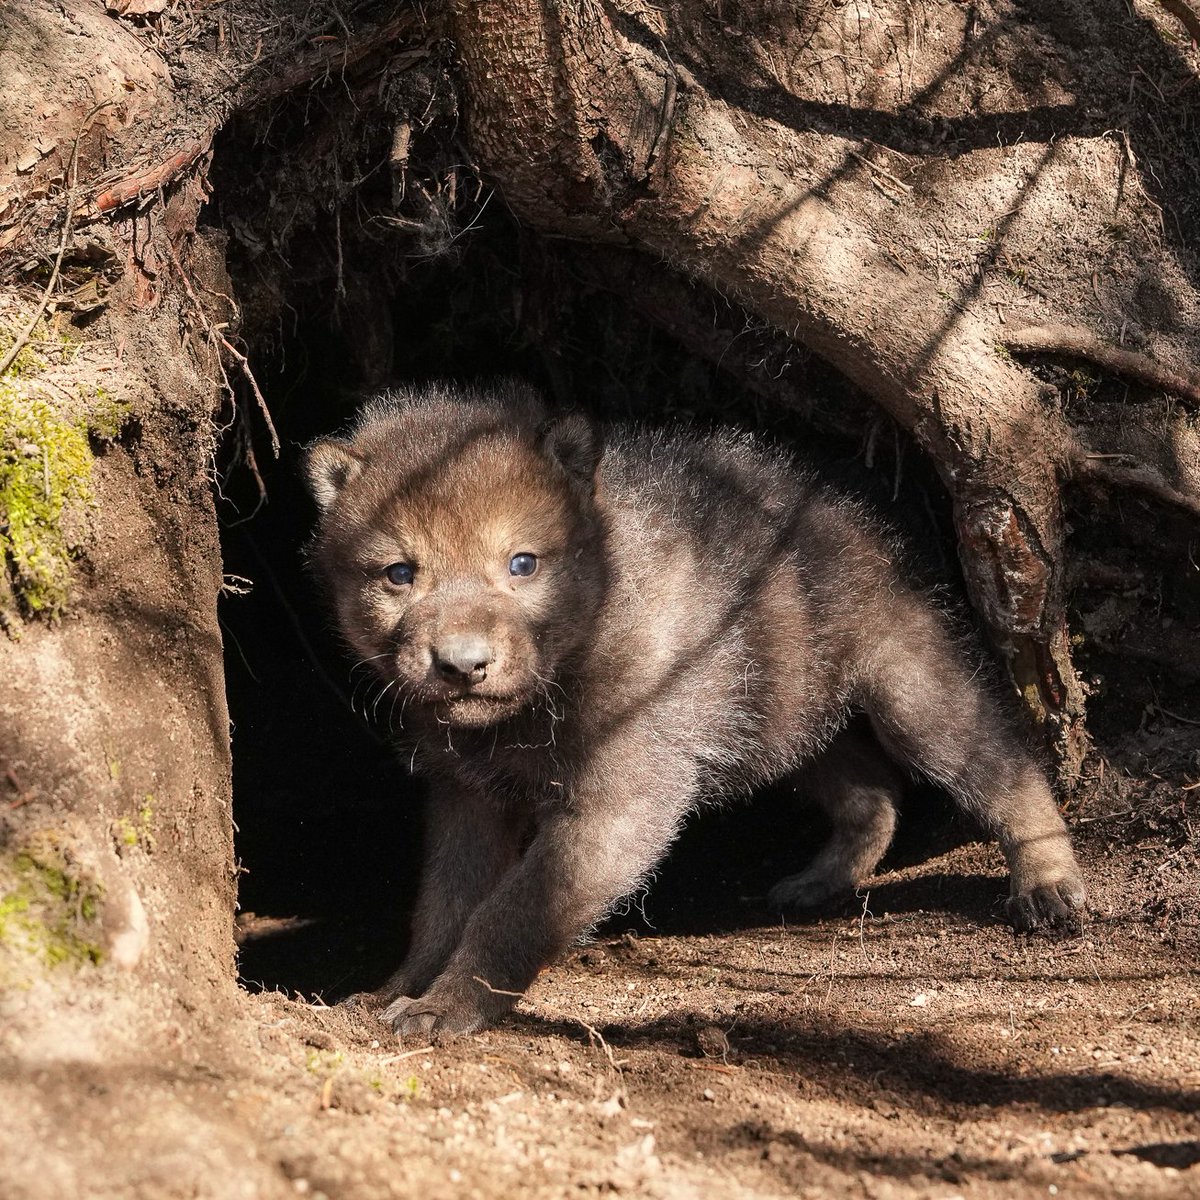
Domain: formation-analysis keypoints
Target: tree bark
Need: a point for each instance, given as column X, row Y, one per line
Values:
column 594, row 128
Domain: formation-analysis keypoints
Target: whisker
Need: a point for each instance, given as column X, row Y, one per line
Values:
column 400, row 692
column 375, row 706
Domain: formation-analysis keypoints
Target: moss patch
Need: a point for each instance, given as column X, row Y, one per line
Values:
column 48, row 914
column 106, row 416
column 45, row 478
column 27, row 362
column 133, row 833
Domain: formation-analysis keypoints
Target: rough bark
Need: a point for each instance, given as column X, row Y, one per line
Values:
column 613, row 122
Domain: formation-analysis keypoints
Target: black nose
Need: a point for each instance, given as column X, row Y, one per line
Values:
column 462, row 658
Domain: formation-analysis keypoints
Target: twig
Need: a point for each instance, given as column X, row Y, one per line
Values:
column 391, row 1058
column 666, row 112
column 1166, row 712
column 1139, row 477
column 1126, row 812
column 866, row 162
column 595, row 1036
column 495, row 990
column 24, row 336
column 233, row 353
column 1073, row 341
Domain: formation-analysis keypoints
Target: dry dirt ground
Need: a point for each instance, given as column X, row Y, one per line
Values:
column 910, row 1048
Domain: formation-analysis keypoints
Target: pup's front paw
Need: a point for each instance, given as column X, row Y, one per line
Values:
column 1056, row 904
column 440, row 1014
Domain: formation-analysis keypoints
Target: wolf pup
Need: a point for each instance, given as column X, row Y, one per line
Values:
column 586, row 633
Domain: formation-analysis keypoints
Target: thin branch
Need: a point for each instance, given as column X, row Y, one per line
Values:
column 151, row 180
column 1075, row 342
column 72, row 179
column 866, row 162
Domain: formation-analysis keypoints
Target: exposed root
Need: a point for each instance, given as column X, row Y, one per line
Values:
column 332, row 59
column 1076, row 342
column 1182, row 10
column 218, row 337
column 1124, row 471
column 135, row 186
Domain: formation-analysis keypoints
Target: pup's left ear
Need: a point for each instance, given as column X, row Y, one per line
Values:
column 574, row 442
column 328, row 466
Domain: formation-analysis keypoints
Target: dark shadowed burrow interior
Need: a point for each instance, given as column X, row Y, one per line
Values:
column 328, row 818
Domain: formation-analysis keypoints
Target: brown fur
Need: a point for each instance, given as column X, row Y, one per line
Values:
column 702, row 619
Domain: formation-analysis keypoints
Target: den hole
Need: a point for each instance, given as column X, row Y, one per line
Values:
column 328, row 824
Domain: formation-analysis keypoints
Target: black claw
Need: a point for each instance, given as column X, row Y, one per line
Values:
column 1055, row 907
column 1021, row 914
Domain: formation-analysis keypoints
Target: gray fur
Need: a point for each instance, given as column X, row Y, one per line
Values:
column 703, row 620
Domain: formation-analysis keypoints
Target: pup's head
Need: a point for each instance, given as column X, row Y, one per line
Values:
column 459, row 540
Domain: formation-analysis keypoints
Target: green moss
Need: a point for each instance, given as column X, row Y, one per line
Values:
column 106, row 416
column 127, row 833
column 45, row 481
column 124, row 833
column 47, row 914
column 28, row 362
column 324, row 1062
column 46, row 472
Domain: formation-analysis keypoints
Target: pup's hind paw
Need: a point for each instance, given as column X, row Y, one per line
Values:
column 806, row 890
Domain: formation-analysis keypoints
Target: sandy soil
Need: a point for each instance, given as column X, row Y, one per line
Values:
column 910, row 1048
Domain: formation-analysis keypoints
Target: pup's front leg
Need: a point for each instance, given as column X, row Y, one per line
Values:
column 470, row 842
column 585, row 855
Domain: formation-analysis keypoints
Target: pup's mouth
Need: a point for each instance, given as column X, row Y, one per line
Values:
column 476, row 710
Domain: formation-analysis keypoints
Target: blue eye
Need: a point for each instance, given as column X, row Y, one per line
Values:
column 399, row 574
column 522, row 564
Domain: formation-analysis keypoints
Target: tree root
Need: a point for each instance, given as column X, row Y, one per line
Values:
column 135, row 186
column 1076, row 342
column 214, row 332
column 334, row 58
column 1124, row 471
column 1183, row 11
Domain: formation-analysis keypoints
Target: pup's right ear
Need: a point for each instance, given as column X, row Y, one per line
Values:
column 328, row 466
column 574, row 441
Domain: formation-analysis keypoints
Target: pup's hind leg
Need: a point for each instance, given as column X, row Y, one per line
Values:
column 928, row 712
column 858, row 788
